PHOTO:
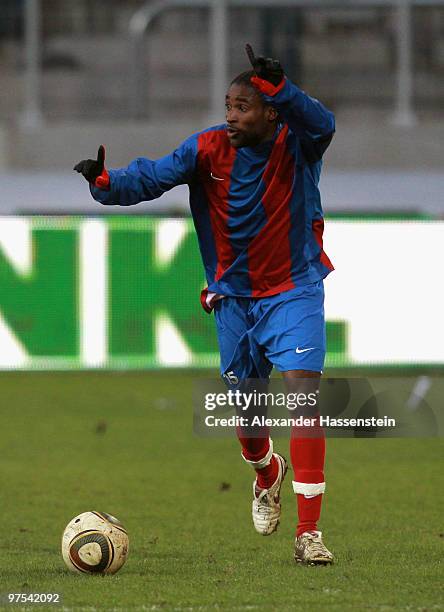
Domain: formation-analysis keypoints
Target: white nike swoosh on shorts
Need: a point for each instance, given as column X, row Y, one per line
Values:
column 216, row 178
column 298, row 350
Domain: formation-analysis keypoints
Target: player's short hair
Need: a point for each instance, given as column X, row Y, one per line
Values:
column 244, row 78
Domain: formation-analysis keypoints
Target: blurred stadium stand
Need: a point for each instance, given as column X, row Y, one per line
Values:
column 344, row 56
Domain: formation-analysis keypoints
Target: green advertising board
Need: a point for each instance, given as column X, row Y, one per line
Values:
column 123, row 292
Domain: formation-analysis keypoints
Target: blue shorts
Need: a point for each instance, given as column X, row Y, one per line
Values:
column 286, row 331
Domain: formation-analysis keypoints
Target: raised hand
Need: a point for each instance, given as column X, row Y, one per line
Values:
column 94, row 170
column 266, row 68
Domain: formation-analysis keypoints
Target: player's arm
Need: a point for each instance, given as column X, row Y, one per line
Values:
column 304, row 115
column 144, row 179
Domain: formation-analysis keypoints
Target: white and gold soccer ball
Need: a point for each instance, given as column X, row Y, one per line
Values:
column 95, row 543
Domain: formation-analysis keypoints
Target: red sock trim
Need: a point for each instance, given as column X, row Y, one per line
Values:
column 255, row 449
column 267, row 476
column 309, row 511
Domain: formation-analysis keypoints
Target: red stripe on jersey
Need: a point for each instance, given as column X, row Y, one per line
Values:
column 269, row 253
column 215, row 162
column 318, row 231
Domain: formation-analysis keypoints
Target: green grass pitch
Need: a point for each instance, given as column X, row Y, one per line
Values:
column 123, row 443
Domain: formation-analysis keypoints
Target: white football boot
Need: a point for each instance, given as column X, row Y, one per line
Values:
column 266, row 507
column 311, row 550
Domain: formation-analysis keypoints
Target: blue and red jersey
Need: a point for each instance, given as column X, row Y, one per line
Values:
column 256, row 210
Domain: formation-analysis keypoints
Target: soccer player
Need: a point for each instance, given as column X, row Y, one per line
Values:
column 256, row 208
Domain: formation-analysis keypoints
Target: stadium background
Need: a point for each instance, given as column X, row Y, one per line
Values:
column 107, row 291
column 68, row 85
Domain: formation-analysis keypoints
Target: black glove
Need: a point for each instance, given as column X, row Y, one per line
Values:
column 92, row 168
column 266, row 68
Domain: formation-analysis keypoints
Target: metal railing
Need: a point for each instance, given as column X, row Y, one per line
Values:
column 140, row 24
column 143, row 18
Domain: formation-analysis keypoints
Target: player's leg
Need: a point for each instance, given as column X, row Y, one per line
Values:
column 241, row 372
column 270, row 467
column 291, row 328
column 257, row 446
column 307, row 452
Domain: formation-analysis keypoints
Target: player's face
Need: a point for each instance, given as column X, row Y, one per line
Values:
column 249, row 120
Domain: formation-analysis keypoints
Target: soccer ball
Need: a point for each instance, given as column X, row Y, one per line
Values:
column 95, row 543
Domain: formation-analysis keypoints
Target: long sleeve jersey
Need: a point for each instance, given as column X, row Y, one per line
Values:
column 257, row 210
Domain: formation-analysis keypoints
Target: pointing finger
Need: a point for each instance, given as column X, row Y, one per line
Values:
column 250, row 53
column 101, row 155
